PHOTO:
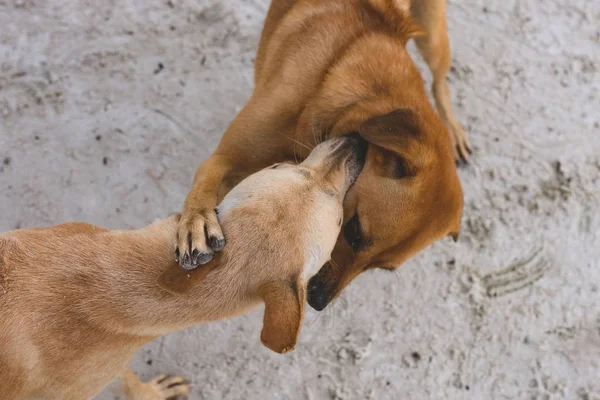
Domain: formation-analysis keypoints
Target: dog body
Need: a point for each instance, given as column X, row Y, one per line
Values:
column 329, row 68
column 77, row 301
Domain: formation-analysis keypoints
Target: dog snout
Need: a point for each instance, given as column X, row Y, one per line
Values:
column 347, row 153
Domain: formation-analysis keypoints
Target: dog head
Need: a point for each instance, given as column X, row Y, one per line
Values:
column 408, row 194
column 281, row 224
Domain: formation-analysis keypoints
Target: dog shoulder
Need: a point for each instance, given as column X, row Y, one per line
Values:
column 9, row 246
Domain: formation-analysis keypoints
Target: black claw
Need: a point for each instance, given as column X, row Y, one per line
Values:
column 462, row 162
column 203, row 258
column 217, row 244
column 199, row 258
column 186, row 262
column 177, row 254
column 462, row 158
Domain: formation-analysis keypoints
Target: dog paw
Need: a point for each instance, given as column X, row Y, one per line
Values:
column 460, row 143
column 163, row 387
column 199, row 235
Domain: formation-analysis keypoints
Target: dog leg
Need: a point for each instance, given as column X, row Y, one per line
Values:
column 277, row 11
column 248, row 145
column 435, row 50
column 162, row 387
column 199, row 234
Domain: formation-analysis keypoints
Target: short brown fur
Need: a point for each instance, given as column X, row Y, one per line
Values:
column 327, row 68
column 77, row 301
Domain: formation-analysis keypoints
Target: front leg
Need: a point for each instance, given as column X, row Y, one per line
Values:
column 199, row 234
column 252, row 141
column 434, row 47
column 162, row 387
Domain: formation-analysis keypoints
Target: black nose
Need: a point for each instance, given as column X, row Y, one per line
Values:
column 318, row 294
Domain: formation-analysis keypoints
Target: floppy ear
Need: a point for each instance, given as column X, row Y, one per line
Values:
column 401, row 125
column 179, row 281
column 284, row 312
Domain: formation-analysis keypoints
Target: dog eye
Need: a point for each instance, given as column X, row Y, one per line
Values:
column 401, row 168
column 353, row 233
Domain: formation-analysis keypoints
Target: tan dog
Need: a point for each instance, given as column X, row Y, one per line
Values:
column 77, row 301
column 329, row 68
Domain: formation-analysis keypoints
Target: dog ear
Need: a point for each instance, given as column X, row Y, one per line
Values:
column 179, row 281
column 284, row 312
column 401, row 125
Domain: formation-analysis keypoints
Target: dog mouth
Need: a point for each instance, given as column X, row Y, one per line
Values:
column 358, row 153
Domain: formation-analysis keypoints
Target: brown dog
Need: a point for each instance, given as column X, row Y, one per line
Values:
column 77, row 301
column 328, row 68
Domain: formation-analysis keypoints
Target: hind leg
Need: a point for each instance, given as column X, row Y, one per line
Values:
column 434, row 47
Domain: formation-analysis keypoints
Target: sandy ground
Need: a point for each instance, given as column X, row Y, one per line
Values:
column 107, row 107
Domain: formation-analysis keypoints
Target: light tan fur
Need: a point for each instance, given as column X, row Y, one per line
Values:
column 328, row 68
column 77, row 301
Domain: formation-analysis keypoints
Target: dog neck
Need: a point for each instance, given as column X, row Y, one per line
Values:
column 140, row 307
